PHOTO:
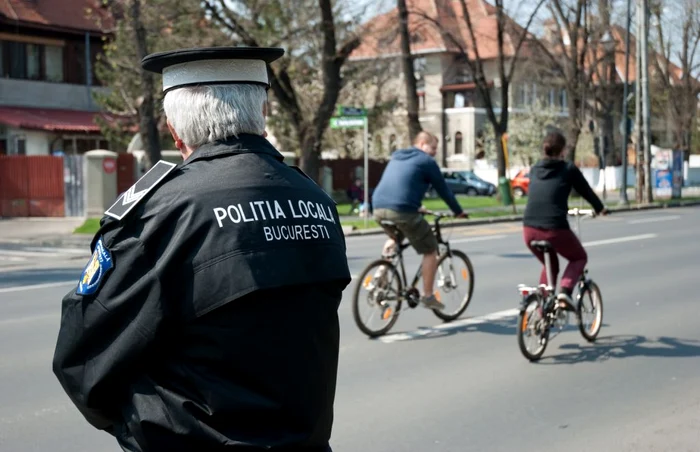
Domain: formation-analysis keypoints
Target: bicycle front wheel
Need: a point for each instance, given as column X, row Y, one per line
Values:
column 381, row 285
column 454, row 280
column 590, row 311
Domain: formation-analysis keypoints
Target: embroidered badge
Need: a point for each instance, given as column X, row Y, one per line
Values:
column 95, row 271
column 130, row 198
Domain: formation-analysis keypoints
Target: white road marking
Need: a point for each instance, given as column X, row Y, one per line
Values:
column 630, row 238
column 38, row 286
column 409, row 335
column 28, row 253
column 30, row 319
column 654, row 219
column 479, row 239
column 12, row 258
column 85, row 250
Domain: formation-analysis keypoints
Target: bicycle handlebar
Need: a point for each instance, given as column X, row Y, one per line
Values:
column 576, row 212
column 437, row 214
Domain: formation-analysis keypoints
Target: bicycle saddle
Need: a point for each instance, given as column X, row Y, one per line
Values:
column 392, row 230
column 542, row 244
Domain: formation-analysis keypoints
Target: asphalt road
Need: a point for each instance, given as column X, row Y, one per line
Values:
column 460, row 387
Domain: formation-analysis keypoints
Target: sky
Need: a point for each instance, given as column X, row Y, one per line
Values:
column 520, row 11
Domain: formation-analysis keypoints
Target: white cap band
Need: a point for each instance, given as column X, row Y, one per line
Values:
column 215, row 71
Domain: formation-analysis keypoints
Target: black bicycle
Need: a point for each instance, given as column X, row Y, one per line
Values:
column 540, row 312
column 386, row 286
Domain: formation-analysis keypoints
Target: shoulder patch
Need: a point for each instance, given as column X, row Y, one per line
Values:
column 307, row 176
column 95, row 270
column 130, row 198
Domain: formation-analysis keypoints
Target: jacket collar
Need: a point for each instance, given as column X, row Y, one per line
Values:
column 245, row 143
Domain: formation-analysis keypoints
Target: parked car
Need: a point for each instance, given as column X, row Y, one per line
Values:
column 521, row 183
column 463, row 182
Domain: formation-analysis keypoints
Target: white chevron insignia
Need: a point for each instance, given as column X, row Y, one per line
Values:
column 131, row 197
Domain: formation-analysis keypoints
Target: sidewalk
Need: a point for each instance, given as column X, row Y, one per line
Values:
column 59, row 231
column 43, row 231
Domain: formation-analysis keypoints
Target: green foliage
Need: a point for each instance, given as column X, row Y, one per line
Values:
column 526, row 131
column 169, row 24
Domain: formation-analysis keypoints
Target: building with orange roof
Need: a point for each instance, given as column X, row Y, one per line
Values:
column 48, row 50
column 450, row 104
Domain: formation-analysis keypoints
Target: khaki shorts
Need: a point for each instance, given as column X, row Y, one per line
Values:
column 413, row 226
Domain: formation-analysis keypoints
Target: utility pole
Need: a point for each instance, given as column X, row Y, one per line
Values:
column 646, row 108
column 639, row 165
column 625, row 110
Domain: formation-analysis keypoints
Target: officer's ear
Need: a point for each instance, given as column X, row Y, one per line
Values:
column 178, row 142
column 172, row 131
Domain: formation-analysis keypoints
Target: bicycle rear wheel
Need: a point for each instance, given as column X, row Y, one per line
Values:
column 590, row 304
column 533, row 334
column 381, row 282
column 454, row 280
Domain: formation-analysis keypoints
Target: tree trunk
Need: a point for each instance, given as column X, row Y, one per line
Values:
column 310, row 162
column 501, row 156
column 611, row 149
column 148, row 126
column 411, row 85
column 573, row 129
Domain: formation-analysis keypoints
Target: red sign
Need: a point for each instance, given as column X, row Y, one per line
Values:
column 109, row 165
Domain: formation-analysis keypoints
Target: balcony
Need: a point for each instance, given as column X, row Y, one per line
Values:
column 37, row 94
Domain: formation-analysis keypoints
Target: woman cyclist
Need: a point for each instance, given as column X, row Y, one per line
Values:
column 551, row 181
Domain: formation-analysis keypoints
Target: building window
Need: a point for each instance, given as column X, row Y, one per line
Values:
column 21, row 146
column 421, row 101
column 523, row 93
column 564, row 101
column 17, row 56
column 3, row 140
column 53, row 62
column 552, row 98
column 458, row 143
column 419, row 65
column 34, row 61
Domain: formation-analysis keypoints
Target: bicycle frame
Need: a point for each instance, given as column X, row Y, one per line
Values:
column 398, row 260
column 583, row 281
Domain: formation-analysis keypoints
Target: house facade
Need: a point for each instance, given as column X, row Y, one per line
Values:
column 451, row 106
column 48, row 51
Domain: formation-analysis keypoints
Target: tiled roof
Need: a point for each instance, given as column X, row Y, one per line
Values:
column 381, row 37
column 66, row 14
column 596, row 53
column 52, row 120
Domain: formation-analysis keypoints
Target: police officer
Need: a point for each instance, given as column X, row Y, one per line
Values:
column 206, row 319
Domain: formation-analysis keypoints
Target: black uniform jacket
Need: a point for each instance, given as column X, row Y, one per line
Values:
column 206, row 319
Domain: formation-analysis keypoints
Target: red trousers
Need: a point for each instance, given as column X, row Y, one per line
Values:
column 564, row 242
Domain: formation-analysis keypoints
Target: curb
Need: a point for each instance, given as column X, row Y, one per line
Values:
column 514, row 218
column 86, row 239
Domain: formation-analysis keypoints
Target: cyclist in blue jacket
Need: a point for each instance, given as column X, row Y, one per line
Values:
column 398, row 199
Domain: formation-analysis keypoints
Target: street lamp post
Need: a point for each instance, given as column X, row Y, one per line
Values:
column 609, row 45
column 625, row 109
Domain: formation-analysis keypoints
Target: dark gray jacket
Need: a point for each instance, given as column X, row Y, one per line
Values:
column 207, row 317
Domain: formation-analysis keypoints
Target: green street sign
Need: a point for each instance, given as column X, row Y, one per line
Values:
column 351, row 111
column 348, row 122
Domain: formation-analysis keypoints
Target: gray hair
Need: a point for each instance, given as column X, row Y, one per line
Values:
column 202, row 114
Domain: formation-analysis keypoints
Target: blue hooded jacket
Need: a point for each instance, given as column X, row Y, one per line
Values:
column 406, row 180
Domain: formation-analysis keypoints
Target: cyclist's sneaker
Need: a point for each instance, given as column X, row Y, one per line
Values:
column 432, row 302
column 565, row 302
